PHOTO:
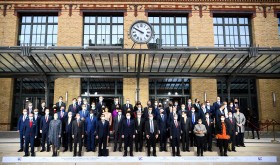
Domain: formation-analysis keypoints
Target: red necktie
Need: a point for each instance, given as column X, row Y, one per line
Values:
column 46, row 118
column 176, row 124
column 30, row 124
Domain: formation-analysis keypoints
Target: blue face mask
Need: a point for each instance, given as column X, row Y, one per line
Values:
column 62, row 110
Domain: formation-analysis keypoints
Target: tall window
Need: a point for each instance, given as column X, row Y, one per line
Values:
column 103, row 30
column 38, row 30
column 232, row 32
column 169, row 30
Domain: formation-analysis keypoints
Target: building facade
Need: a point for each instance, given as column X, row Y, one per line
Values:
column 201, row 49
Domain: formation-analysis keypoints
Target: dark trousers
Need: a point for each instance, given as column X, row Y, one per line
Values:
column 29, row 140
column 68, row 141
column 44, row 139
column 63, row 140
column 240, row 139
column 151, row 142
column 138, row 141
column 223, row 146
column 253, row 130
column 117, row 138
column 128, row 142
column 77, row 139
column 21, row 139
column 90, row 141
column 192, row 139
column 200, row 144
column 163, row 140
column 208, row 142
column 232, row 140
column 102, row 144
column 185, row 141
column 175, row 143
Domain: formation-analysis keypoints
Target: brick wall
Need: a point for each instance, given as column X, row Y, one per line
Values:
column 6, row 103
column 8, row 29
column 70, row 85
column 267, row 111
column 199, row 86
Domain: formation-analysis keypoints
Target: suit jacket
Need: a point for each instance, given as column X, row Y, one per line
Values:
column 41, row 111
column 38, row 121
column 73, row 110
column 175, row 132
column 128, row 129
column 139, row 127
column 85, row 115
column 233, row 125
column 58, row 107
column 216, row 107
column 91, row 124
column 162, row 123
column 240, row 119
column 62, row 118
column 102, row 130
column 186, row 127
column 124, row 108
column 78, row 130
column 196, row 115
column 20, row 123
column 171, row 118
column 117, row 126
column 44, row 125
column 210, row 127
column 99, row 107
column 30, row 131
column 147, row 127
column 218, row 128
column 68, row 127
column 218, row 115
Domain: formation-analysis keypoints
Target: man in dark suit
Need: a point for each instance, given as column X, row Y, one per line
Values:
column 168, row 109
column 79, row 104
column 210, row 109
column 219, row 112
column 151, row 131
column 147, row 112
column 233, row 131
column 186, row 129
column 126, row 106
column 189, row 105
column 42, row 109
column 194, row 116
column 103, row 134
column 139, row 131
column 73, row 107
column 209, row 124
column 60, row 103
column 68, row 132
column 116, row 102
column 30, row 132
column 30, row 108
column 216, row 106
column 197, row 104
column 62, row 116
column 117, row 129
column 20, row 125
column 163, row 125
column 78, row 134
column 85, row 102
column 84, row 113
column 91, row 122
column 175, row 132
column 44, row 130
column 37, row 119
column 128, row 133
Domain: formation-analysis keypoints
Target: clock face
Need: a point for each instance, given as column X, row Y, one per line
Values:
column 141, row 32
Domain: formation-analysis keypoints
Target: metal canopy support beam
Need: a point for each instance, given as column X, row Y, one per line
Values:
column 138, row 77
column 47, row 90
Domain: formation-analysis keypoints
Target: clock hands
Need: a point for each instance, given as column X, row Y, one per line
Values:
column 138, row 30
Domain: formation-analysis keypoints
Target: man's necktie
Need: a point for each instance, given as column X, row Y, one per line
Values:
column 46, row 118
column 193, row 119
column 152, row 127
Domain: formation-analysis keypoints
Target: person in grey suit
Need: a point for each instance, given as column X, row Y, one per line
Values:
column 240, row 121
column 118, row 130
column 200, row 131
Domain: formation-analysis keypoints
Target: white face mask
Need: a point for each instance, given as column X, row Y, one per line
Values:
column 208, row 104
column 25, row 113
column 128, row 117
column 55, row 117
column 69, row 116
column 222, row 119
column 74, row 102
column 231, row 105
column 120, row 113
column 36, row 113
column 183, row 107
column 218, row 100
column 91, row 114
column 100, row 100
column 47, row 113
column 30, row 118
column 175, row 118
column 176, row 103
column 78, row 118
column 139, row 116
column 199, row 122
column 102, row 118
column 93, row 106
column 127, row 102
column 189, row 102
column 116, row 101
column 193, row 111
column 151, row 118
column 139, row 109
column 230, row 116
column 30, row 106
column 156, row 104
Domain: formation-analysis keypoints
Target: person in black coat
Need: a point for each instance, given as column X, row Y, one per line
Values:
column 175, row 135
column 44, row 129
column 99, row 106
column 20, row 125
column 194, row 116
column 30, row 132
column 128, row 133
column 151, row 131
column 126, row 106
column 73, row 107
column 186, row 130
column 139, row 132
column 68, row 132
column 117, row 129
column 78, row 132
column 37, row 119
column 209, row 124
column 233, row 131
column 163, row 126
column 60, row 103
column 103, row 134
column 42, row 109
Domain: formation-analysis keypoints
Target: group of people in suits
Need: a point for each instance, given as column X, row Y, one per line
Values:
column 185, row 125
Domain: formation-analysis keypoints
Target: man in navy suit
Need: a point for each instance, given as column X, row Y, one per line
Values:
column 91, row 122
column 37, row 119
column 128, row 133
column 62, row 116
column 84, row 113
column 209, row 108
column 151, row 131
column 68, row 132
column 163, row 125
column 185, row 126
column 194, row 116
column 73, row 107
column 30, row 133
column 103, row 133
column 78, row 131
column 20, row 125
column 117, row 128
column 85, row 102
column 216, row 106
column 60, row 103
column 175, row 135
column 126, row 106
column 99, row 105
column 220, row 112
column 44, row 130
column 209, row 124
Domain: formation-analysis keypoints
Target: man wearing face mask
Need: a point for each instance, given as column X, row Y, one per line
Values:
column 116, row 102
column 185, row 132
column 78, row 134
column 194, row 116
column 68, row 132
column 95, row 111
column 189, row 105
column 240, row 122
column 220, row 112
column 126, row 106
column 233, row 131
column 60, row 103
column 30, row 133
column 209, row 108
column 30, row 108
column 91, row 123
column 156, row 109
column 225, row 109
column 173, row 113
column 236, row 105
column 197, row 104
column 209, row 124
column 200, row 131
column 175, row 135
column 100, row 104
column 117, row 130
column 139, row 131
column 79, row 104
column 103, row 134
column 44, row 129
column 231, row 108
column 222, row 135
column 128, row 133
column 169, row 108
column 151, row 132
column 42, row 109
column 84, row 113
column 37, row 119
column 176, row 105
column 62, row 116
column 73, row 107
column 216, row 105
column 22, row 119
column 163, row 126
column 85, row 102
column 147, row 112
column 55, row 130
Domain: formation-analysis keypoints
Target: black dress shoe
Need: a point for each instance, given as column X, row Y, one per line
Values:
column 80, row 154
column 210, row 150
column 74, row 155
column 120, row 150
column 65, row 150
column 234, row 150
column 93, row 150
column 187, row 150
column 42, row 150
column 225, row 154
column 131, row 155
column 201, row 154
column 25, row 155
column 140, row 150
column 155, row 155
column 21, row 150
column 114, row 150
column 33, row 154
column 221, row 154
column 197, row 155
column 125, row 155
column 179, row 155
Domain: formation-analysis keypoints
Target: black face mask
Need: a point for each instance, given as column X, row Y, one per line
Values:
column 159, row 106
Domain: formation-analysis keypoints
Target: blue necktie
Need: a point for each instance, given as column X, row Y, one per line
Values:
column 193, row 120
